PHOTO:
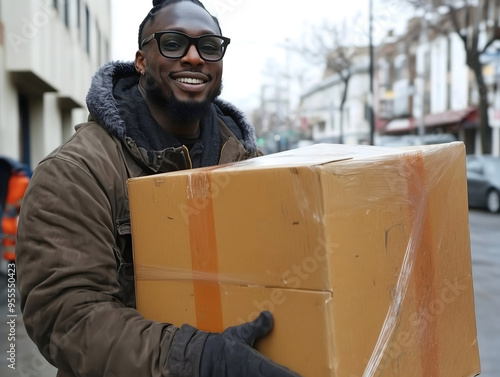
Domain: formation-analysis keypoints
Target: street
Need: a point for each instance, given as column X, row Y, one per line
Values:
column 485, row 245
column 485, row 248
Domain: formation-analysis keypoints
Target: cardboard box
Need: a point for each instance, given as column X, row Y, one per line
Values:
column 362, row 253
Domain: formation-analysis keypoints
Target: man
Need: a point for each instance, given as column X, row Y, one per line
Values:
column 74, row 246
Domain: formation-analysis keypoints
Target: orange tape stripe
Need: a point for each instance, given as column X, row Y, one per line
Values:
column 203, row 245
column 424, row 270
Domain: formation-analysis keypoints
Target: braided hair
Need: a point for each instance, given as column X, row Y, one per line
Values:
column 160, row 4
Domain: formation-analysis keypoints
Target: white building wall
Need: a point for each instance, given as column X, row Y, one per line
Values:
column 8, row 114
column 38, row 134
column 322, row 106
column 401, row 99
column 357, row 127
column 46, row 60
column 459, row 74
column 332, row 103
column 418, row 98
column 438, row 74
column 51, row 130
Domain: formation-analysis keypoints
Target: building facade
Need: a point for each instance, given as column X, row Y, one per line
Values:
column 323, row 115
column 423, row 87
column 429, row 90
column 49, row 50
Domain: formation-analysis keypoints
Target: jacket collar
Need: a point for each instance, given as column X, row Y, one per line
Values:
column 103, row 106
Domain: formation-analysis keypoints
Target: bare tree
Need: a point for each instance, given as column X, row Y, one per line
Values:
column 331, row 45
column 469, row 19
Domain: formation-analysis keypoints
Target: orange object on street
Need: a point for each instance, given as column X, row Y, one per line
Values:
column 17, row 185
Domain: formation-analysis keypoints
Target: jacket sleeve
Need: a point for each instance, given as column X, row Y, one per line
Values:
column 68, row 283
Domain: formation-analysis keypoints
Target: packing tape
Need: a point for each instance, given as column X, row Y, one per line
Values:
column 424, row 269
column 204, row 258
column 159, row 273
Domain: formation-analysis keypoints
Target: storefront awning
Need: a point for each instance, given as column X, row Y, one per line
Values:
column 449, row 119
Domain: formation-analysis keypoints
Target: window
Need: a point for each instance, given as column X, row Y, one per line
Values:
column 401, row 67
column 24, row 129
column 321, row 126
column 384, row 72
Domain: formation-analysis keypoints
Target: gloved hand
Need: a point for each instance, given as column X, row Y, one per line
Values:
column 231, row 353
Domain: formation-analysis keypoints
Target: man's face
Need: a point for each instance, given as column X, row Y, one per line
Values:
column 171, row 80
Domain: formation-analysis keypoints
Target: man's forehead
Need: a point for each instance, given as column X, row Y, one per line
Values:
column 183, row 16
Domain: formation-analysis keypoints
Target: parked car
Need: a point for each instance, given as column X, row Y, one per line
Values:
column 483, row 182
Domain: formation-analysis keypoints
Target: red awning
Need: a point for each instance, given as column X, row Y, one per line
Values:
column 452, row 118
column 380, row 124
column 449, row 117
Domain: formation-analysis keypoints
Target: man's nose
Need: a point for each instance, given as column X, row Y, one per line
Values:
column 192, row 56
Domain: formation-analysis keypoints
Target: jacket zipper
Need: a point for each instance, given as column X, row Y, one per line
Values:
column 186, row 153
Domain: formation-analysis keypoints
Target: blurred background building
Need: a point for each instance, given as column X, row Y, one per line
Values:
column 328, row 115
column 437, row 81
column 49, row 50
column 424, row 85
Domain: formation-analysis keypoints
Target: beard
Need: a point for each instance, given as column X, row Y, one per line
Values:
column 188, row 111
column 182, row 111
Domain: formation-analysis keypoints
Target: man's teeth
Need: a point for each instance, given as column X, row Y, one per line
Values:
column 190, row 81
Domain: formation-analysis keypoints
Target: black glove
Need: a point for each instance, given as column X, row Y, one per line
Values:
column 231, row 353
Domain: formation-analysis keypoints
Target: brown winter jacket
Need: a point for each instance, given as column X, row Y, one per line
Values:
column 74, row 254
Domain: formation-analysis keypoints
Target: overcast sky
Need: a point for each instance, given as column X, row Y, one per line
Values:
column 257, row 29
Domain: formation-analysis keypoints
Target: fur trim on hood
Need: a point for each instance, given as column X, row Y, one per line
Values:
column 103, row 107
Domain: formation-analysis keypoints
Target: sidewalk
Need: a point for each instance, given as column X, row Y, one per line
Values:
column 28, row 360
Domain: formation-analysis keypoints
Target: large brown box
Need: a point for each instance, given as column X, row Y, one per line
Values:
column 362, row 253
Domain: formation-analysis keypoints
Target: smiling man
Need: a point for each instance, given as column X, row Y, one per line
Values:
column 181, row 63
column 157, row 114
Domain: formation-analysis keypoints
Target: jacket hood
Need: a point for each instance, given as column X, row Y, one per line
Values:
column 102, row 104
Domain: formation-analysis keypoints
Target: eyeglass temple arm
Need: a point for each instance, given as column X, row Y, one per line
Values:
column 147, row 39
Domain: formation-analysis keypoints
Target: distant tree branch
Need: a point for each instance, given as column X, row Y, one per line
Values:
column 328, row 44
column 456, row 24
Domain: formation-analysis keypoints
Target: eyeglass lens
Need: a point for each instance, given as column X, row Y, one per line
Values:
column 175, row 45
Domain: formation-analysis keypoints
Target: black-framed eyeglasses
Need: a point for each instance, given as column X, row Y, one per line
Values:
column 174, row 45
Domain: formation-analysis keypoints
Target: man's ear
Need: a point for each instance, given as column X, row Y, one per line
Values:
column 140, row 62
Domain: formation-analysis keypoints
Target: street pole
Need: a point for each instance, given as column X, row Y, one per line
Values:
column 371, row 99
column 495, row 118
